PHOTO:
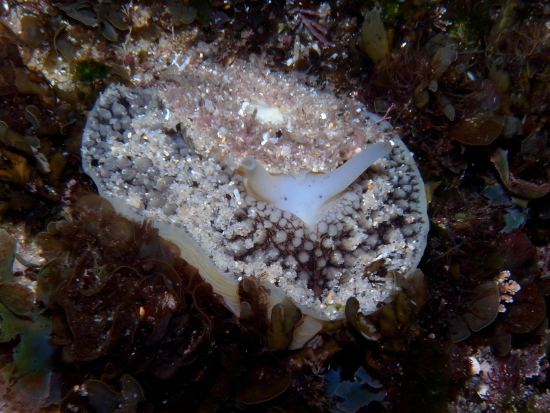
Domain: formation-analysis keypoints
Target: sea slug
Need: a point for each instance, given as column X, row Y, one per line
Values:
column 171, row 152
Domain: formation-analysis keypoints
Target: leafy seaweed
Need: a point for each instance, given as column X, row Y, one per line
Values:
column 352, row 395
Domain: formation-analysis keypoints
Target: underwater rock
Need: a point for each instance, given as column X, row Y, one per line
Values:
column 169, row 153
column 354, row 394
column 29, row 370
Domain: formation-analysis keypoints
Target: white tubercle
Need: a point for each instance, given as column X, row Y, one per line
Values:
column 306, row 196
column 264, row 113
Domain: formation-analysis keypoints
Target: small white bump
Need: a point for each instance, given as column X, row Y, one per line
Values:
column 304, row 276
column 402, row 203
column 320, row 263
column 349, row 260
column 333, row 273
column 260, row 236
column 290, row 261
column 275, row 215
column 349, row 210
column 303, row 257
column 336, row 258
column 399, row 193
column 273, row 254
column 252, row 212
column 407, row 230
column 349, row 244
column 280, row 236
column 372, row 239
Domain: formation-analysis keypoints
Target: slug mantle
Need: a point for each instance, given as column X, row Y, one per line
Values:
column 170, row 152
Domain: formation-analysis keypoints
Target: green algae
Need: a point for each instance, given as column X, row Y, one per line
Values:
column 284, row 318
column 89, row 70
column 126, row 396
column 7, row 256
column 469, row 22
column 427, row 376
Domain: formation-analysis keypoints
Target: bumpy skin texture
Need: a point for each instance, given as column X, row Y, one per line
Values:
column 180, row 173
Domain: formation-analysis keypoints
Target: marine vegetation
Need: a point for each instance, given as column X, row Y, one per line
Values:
column 122, row 324
column 135, row 324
